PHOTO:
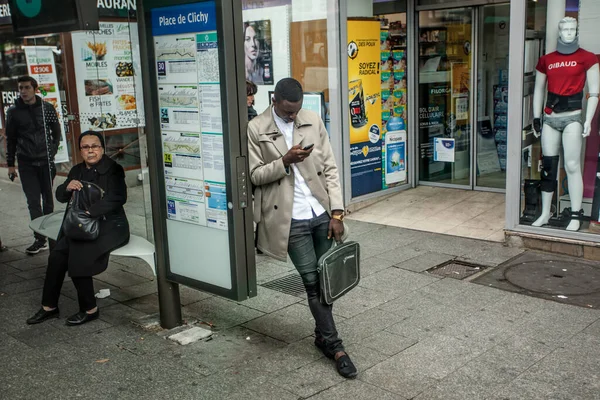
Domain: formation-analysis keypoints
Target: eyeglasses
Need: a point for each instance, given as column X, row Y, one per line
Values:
column 93, row 147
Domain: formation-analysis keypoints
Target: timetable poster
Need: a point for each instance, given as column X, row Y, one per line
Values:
column 189, row 97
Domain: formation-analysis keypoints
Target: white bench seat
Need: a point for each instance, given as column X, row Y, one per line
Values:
column 138, row 247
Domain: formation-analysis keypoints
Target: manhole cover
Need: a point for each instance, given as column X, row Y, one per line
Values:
column 456, row 269
column 555, row 277
column 290, row 284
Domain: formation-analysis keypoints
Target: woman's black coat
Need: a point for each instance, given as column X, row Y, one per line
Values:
column 91, row 258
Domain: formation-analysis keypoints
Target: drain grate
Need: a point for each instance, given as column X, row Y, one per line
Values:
column 456, row 269
column 290, row 284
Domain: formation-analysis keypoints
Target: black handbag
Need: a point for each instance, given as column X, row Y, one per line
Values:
column 79, row 225
column 339, row 271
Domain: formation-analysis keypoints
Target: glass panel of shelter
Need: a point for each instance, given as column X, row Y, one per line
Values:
column 93, row 80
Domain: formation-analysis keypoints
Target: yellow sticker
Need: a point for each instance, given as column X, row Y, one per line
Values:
column 365, row 150
column 168, row 157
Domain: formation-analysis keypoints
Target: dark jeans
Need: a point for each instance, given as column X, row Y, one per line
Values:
column 307, row 243
column 37, row 186
column 58, row 262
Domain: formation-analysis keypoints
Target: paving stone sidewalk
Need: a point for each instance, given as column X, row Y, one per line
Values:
column 412, row 334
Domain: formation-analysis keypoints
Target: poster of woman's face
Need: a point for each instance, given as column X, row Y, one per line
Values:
column 258, row 57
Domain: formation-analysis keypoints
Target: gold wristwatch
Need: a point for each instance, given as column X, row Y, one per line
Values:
column 339, row 217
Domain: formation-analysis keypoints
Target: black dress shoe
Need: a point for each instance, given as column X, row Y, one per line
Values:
column 81, row 318
column 345, row 367
column 42, row 315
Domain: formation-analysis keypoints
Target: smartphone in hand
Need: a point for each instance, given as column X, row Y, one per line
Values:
column 310, row 146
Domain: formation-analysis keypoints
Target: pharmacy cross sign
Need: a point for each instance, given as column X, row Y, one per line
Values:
column 29, row 8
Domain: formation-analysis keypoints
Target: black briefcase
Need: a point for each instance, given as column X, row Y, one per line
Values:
column 339, row 271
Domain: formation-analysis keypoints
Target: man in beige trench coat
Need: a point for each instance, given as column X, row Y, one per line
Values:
column 298, row 200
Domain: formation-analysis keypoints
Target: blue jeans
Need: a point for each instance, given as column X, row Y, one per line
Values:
column 307, row 243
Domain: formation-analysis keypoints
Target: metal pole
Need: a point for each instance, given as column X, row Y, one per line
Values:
column 168, row 292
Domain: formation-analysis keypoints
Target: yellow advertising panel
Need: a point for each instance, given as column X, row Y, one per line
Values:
column 364, row 106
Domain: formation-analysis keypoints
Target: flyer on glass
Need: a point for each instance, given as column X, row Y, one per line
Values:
column 41, row 67
column 107, row 69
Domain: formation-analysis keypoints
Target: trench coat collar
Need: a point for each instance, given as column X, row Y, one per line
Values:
column 273, row 132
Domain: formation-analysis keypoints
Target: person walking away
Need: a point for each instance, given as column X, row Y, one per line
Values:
column 84, row 259
column 298, row 200
column 32, row 137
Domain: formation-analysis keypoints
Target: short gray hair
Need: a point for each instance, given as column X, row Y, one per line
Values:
column 566, row 20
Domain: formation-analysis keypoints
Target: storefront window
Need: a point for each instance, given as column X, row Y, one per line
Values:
column 445, row 50
column 93, row 80
column 42, row 58
column 285, row 38
column 560, row 147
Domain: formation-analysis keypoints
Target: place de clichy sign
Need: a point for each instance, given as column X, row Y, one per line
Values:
column 106, row 8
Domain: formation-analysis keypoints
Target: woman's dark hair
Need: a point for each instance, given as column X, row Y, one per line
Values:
column 92, row 133
column 251, row 88
column 288, row 89
column 254, row 26
column 27, row 78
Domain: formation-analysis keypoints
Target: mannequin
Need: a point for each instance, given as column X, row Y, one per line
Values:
column 565, row 72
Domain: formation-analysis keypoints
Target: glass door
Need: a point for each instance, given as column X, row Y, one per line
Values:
column 444, row 96
column 492, row 96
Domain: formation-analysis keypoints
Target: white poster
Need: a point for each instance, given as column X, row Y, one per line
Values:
column 207, row 58
column 462, row 108
column 279, row 47
column 185, row 200
column 182, row 154
column 213, row 157
column 40, row 65
column 210, row 111
column 216, row 204
column 176, row 58
column 108, row 74
column 179, row 107
column 443, row 149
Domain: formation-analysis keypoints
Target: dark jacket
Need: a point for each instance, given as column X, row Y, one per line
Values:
column 251, row 113
column 25, row 132
column 91, row 258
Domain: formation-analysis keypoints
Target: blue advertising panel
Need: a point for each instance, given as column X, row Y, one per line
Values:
column 196, row 17
column 366, row 165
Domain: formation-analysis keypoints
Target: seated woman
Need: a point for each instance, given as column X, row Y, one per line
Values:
column 85, row 259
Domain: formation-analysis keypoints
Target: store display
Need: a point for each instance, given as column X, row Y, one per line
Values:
column 566, row 72
column 394, row 113
column 109, row 90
